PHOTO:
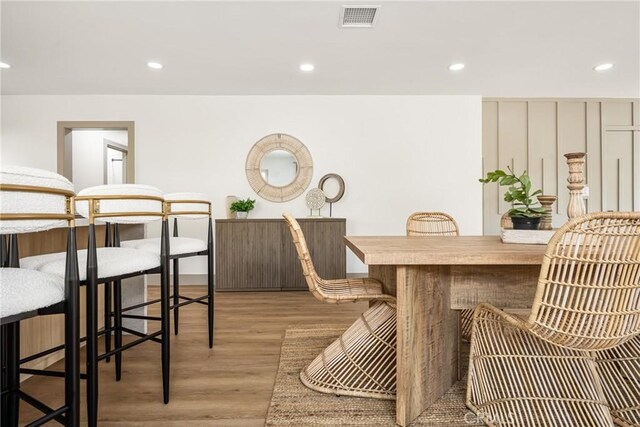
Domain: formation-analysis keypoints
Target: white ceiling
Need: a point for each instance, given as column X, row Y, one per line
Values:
column 542, row 49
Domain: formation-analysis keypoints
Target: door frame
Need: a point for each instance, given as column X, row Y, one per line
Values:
column 65, row 167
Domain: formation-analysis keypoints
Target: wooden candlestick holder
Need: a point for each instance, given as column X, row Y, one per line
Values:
column 576, row 206
column 546, row 202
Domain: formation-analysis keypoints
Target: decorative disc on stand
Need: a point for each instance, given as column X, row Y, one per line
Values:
column 315, row 200
column 338, row 195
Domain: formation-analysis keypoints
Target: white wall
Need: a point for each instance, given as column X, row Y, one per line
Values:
column 88, row 155
column 397, row 154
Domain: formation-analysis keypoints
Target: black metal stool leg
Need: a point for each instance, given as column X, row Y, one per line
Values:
column 107, row 299
column 92, row 330
column 164, row 307
column 72, row 333
column 176, row 283
column 12, row 337
column 210, row 287
column 13, row 374
column 176, row 294
column 117, row 318
column 107, row 319
column 4, row 356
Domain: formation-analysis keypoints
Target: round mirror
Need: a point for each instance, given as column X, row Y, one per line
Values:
column 279, row 168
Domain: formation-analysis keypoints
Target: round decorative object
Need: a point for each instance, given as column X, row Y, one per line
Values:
column 279, row 167
column 315, row 199
column 340, row 181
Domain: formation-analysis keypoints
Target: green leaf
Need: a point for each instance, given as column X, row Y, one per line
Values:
column 508, row 180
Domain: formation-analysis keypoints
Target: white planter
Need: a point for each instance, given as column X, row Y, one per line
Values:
column 242, row 215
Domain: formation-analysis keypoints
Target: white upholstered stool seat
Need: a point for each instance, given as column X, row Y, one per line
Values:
column 177, row 245
column 32, row 202
column 111, row 262
column 23, row 290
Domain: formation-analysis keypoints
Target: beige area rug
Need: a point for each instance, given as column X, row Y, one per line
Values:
column 293, row 404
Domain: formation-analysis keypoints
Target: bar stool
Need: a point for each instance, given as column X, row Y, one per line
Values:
column 117, row 204
column 190, row 206
column 37, row 200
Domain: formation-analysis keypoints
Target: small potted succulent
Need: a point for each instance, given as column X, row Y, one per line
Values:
column 524, row 213
column 242, row 208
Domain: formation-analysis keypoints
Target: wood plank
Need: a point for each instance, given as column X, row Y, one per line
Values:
column 617, row 170
column 594, row 159
column 617, row 156
column 427, row 339
column 491, row 196
column 230, row 385
column 507, row 287
column 440, row 250
column 387, row 275
column 572, row 138
column 542, row 146
column 512, row 140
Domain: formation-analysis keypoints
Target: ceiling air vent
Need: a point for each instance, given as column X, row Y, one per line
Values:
column 358, row 16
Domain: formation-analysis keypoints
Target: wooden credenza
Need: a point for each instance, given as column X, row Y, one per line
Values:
column 258, row 254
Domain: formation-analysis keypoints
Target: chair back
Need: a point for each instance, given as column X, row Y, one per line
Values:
column 431, row 224
column 308, row 269
column 588, row 294
column 33, row 200
column 188, row 205
column 121, row 203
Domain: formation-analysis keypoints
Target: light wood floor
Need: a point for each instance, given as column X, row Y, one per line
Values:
column 230, row 385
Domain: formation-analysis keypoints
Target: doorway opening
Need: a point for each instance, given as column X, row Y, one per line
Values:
column 96, row 153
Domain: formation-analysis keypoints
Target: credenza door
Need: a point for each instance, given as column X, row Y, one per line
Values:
column 259, row 255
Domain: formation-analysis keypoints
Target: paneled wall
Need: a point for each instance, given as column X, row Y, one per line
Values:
column 534, row 135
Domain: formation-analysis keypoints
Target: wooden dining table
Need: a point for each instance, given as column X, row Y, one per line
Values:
column 433, row 278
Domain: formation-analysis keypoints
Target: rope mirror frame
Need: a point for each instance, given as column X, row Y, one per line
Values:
column 279, row 141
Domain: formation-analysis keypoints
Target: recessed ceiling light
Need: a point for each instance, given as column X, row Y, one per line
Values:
column 4, row 65
column 307, row 67
column 603, row 67
column 155, row 65
column 456, row 67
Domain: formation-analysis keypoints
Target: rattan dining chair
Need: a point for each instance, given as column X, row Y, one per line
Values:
column 619, row 370
column 431, row 224
column 362, row 362
column 36, row 200
column 440, row 224
column 543, row 370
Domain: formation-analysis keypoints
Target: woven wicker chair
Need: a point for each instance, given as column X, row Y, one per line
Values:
column 542, row 371
column 431, row 224
column 440, row 224
column 619, row 370
column 333, row 291
column 362, row 362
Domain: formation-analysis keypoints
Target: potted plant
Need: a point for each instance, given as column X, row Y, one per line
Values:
column 524, row 214
column 242, row 207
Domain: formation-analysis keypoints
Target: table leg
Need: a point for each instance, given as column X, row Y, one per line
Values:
column 427, row 339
